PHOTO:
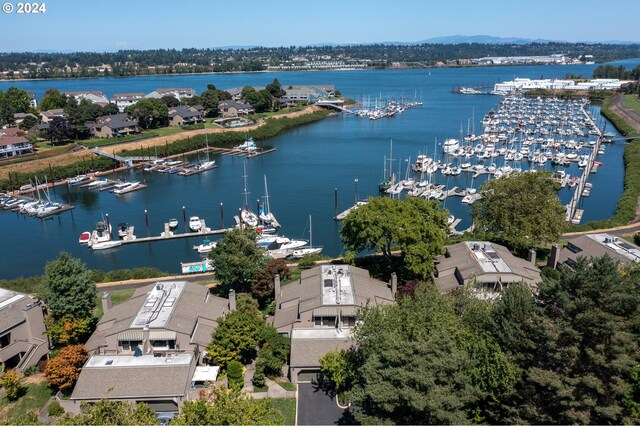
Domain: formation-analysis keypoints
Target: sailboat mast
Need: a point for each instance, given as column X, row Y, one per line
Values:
column 244, row 181
column 266, row 196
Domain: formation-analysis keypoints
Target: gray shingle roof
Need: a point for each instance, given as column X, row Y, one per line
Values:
column 307, row 352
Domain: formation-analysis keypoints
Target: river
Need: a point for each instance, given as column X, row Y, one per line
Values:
column 309, row 162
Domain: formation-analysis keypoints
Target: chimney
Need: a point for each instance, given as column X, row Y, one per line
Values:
column 276, row 289
column 146, row 343
column 394, row 283
column 106, row 302
column 34, row 318
column 232, row 300
column 553, row 256
column 532, row 256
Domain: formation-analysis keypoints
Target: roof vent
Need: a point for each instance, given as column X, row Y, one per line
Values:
column 109, row 362
column 158, row 286
column 475, row 247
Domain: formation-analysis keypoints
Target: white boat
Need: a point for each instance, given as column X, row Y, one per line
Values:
column 123, row 229
column 305, row 251
column 282, row 243
column 173, row 223
column 194, row 224
column 77, row 179
column 97, row 183
column 124, row 187
column 101, row 234
column 105, row 245
column 450, row 145
column 205, row 247
column 267, row 218
column 205, row 165
column 248, row 217
column 249, row 145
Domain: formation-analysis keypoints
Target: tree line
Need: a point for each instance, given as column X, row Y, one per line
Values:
column 172, row 61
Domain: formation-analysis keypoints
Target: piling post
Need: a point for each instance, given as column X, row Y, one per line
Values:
column 356, row 202
column 146, row 219
column 258, row 206
column 221, row 216
column 184, row 218
column 335, row 201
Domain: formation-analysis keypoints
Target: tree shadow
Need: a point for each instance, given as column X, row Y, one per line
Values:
column 322, row 384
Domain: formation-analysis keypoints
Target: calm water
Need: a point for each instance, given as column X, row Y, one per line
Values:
column 308, row 164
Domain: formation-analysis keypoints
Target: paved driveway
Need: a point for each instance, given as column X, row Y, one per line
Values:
column 315, row 407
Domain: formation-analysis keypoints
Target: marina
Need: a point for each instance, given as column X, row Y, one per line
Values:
column 308, row 163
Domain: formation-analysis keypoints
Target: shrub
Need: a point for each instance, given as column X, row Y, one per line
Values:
column 550, row 273
column 308, row 261
column 63, row 370
column 258, row 378
column 235, row 374
column 55, row 409
column 636, row 238
column 12, row 384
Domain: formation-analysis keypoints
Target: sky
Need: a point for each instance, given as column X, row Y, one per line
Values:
column 109, row 25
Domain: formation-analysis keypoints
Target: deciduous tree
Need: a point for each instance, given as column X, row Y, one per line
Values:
column 521, row 210
column 107, row 412
column 52, row 99
column 67, row 288
column 237, row 258
column 263, row 287
column 415, row 226
column 63, row 371
column 228, row 407
column 149, row 112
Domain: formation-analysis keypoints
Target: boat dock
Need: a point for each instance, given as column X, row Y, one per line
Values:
column 168, row 235
column 345, row 213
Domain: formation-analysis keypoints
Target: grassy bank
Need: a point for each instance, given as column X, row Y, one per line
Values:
column 272, row 127
column 626, row 208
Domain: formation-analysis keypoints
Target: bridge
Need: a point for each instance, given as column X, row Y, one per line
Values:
column 335, row 104
column 113, row 156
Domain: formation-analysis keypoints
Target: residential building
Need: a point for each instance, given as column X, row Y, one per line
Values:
column 178, row 93
column 319, row 311
column 20, row 116
column 13, row 143
column 49, row 115
column 123, row 100
column 149, row 348
column 93, row 96
column 594, row 245
column 234, row 109
column 487, row 268
column 184, row 115
column 33, row 103
column 308, row 93
column 23, row 337
column 115, row 125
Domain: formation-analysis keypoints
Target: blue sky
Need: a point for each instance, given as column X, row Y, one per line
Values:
column 107, row 25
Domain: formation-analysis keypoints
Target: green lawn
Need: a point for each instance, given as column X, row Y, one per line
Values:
column 287, row 408
column 117, row 296
column 37, row 395
column 632, row 102
column 287, row 386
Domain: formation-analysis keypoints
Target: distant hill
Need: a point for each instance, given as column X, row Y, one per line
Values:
column 483, row 39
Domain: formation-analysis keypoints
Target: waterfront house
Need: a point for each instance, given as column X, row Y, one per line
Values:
column 49, row 115
column 13, row 143
column 20, row 116
column 594, row 245
column 23, row 338
column 184, row 115
column 123, row 100
column 115, row 125
column 312, row 93
column 318, row 312
column 94, row 96
column 178, row 93
column 151, row 347
column 234, row 109
column 487, row 268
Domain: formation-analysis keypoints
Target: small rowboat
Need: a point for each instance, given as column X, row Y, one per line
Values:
column 84, row 237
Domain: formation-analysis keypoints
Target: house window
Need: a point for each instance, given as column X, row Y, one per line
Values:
column 348, row 321
column 325, row 321
column 130, row 345
column 5, row 340
column 163, row 344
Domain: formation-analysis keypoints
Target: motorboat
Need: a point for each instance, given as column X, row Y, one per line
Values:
column 123, row 229
column 205, row 247
column 98, row 183
column 249, row 145
column 173, row 223
column 101, row 234
column 125, row 187
column 194, row 224
column 306, row 251
column 105, row 245
column 84, row 237
column 450, row 145
column 77, row 179
column 205, row 165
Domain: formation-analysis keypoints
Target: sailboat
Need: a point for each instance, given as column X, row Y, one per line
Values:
column 307, row 250
column 267, row 218
column 246, row 215
column 388, row 179
column 208, row 163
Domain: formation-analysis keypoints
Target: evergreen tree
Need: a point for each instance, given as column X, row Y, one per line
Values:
column 67, row 288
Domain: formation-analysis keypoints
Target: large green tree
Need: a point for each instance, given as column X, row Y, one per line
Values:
column 67, row 288
column 426, row 360
column 237, row 335
column 149, row 112
column 521, row 210
column 19, row 99
column 414, row 226
column 108, row 412
column 583, row 346
column 237, row 258
column 52, row 99
column 228, row 407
